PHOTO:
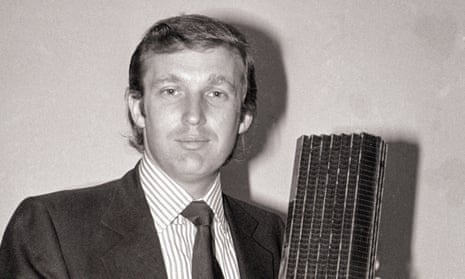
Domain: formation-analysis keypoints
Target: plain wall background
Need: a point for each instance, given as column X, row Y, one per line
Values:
column 392, row 68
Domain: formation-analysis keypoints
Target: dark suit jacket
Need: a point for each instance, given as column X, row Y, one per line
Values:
column 107, row 232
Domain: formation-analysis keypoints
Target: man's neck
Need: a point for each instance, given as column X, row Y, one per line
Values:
column 197, row 188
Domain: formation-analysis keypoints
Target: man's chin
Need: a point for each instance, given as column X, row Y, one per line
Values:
column 192, row 164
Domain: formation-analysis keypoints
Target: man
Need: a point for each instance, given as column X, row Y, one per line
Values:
column 191, row 93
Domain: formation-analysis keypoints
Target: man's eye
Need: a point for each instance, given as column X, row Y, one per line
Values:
column 217, row 94
column 169, row 91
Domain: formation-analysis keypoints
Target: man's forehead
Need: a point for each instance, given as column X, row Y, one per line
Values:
column 154, row 57
column 149, row 54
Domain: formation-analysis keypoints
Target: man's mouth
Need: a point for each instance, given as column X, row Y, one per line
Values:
column 192, row 143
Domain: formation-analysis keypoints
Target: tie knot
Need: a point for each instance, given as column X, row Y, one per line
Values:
column 199, row 213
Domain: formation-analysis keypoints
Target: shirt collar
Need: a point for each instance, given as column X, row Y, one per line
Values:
column 167, row 199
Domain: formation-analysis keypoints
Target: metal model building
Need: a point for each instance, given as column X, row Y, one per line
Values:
column 334, row 208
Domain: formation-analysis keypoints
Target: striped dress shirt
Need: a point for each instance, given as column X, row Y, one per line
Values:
column 166, row 200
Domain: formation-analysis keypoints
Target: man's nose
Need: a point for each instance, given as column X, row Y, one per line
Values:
column 194, row 112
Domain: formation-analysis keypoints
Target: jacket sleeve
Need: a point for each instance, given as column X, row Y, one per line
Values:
column 30, row 247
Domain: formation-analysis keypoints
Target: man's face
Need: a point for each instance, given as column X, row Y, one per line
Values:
column 192, row 108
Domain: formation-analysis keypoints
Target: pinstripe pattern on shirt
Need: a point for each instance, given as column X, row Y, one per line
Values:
column 166, row 200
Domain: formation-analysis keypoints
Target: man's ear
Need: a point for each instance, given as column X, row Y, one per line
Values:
column 135, row 105
column 245, row 122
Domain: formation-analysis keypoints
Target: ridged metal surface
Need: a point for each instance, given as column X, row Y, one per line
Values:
column 334, row 207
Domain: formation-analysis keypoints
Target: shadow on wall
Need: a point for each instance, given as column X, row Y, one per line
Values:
column 271, row 104
column 396, row 229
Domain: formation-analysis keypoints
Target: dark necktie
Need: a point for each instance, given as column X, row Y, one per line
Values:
column 204, row 264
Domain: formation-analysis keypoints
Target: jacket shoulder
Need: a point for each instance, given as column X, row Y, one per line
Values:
column 72, row 202
column 264, row 217
column 256, row 211
column 81, row 201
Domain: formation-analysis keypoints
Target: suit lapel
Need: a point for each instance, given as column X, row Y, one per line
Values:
column 254, row 260
column 137, row 252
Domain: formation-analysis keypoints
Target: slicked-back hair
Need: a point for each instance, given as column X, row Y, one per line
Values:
column 194, row 32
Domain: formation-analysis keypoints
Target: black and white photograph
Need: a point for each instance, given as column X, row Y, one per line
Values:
column 232, row 139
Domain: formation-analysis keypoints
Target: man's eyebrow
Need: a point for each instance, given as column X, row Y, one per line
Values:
column 220, row 79
column 168, row 78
